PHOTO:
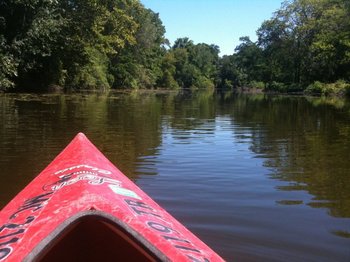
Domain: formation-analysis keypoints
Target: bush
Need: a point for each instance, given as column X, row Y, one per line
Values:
column 226, row 84
column 168, row 81
column 315, row 88
column 203, row 83
column 94, row 74
column 257, row 84
column 340, row 87
column 277, row 86
column 347, row 90
column 8, row 71
column 294, row 87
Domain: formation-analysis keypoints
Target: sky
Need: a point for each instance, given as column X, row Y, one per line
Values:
column 219, row 22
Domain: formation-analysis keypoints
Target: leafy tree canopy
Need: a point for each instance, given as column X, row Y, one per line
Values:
column 78, row 44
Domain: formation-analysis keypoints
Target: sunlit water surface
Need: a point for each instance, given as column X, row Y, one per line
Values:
column 258, row 178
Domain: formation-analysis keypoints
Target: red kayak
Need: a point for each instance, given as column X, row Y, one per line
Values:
column 82, row 208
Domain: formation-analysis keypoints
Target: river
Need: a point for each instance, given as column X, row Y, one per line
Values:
column 256, row 177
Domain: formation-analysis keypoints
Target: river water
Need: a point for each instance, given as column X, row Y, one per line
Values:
column 258, row 178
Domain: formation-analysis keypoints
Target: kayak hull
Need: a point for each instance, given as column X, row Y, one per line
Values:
column 81, row 201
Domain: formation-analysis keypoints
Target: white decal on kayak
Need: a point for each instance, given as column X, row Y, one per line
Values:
column 92, row 168
column 72, row 178
column 123, row 191
column 5, row 252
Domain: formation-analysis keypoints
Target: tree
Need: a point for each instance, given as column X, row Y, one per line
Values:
column 306, row 41
column 331, row 44
column 248, row 58
column 97, row 30
column 139, row 64
column 62, row 42
column 279, row 52
column 167, row 80
column 30, row 31
column 184, row 42
column 195, row 65
column 229, row 74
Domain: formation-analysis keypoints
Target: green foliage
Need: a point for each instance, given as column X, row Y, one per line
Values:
column 249, row 60
column 120, row 44
column 8, row 71
column 194, row 66
column 97, row 33
column 347, row 91
column 138, row 65
column 341, row 87
column 204, row 83
column 167, row 80
column 307, row 41
column 95, row 73
column 277, row 87
column 52, row 42
column 30, row 31
column 338, row 88
column 229, row 74
column 315, row 88
column 257, row 84
column 226, row 84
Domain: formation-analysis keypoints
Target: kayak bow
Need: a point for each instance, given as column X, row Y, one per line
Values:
column 82, row 208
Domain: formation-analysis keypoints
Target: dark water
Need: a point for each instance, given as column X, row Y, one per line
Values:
column 257, row 178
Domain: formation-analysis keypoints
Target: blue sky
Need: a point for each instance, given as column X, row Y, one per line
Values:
column 220, row 22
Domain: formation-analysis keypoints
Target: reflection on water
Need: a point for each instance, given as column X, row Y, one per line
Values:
column 256, row 177
column 308, row 147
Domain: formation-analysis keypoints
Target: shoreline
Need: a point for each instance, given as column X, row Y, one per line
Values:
column 239, row 90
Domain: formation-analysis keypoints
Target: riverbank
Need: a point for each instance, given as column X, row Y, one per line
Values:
column 339, row 88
